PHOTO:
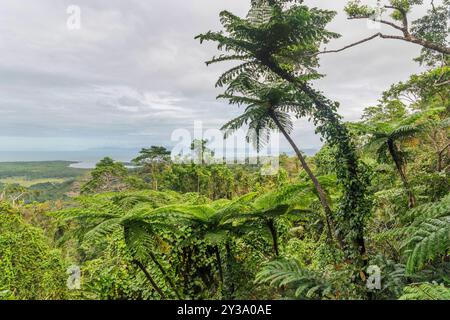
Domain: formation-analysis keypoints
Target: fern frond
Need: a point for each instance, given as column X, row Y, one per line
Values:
column 431, row 239
column 428, row 210
column 425, row 291
column 100, row 231
column 306, row 283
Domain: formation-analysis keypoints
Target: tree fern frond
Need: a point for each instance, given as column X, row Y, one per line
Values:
column 231, row 74
column 306, row 284
column 404, row 132
column 431, row 239
column 426, row 291
column 82, row 214
column 139, row 241
column 101, row 230
column 428, row 210
column 221, row 58
column 260, row 12
column 239, row 100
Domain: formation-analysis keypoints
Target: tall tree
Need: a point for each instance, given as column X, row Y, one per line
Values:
column 386, row 139
column 108, row 175
column 280, row 41
column 267, row 108
column 153, row 160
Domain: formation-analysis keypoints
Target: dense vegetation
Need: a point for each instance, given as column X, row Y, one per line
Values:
column 374, row 201
column 39, row 181
column 39, row 170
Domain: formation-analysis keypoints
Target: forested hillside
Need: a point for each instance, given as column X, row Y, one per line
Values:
column 367, row 217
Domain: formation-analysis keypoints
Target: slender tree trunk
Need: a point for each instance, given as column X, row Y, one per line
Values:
column 219, row 263
column 229, row 289
column 320, row 192
column 150, row 279
column 273, row 232
column 154, row 177
column 398, row 163
column 166, row 276
column 440, row 157
column 343, row 141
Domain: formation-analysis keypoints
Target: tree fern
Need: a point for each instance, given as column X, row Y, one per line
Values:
column 430, row 240
column 425, row 291
column 427, row 233
column 428, row 210
column 289, row 273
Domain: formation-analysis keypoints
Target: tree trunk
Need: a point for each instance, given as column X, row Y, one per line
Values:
column 229, row 289
column 219, row 263
column 166, row 276
column 150, row 279
column 320, row 192
column 154, row 181
column 398, row 163
column 273, row 232
column 440, row 157
column 354, row 190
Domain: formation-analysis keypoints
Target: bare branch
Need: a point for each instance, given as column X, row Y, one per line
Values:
column 405, row 18
column 433, row 6
column 351, row 45
column 423, row 43
column 393, row 25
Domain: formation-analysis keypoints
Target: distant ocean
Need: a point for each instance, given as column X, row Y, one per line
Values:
column 85, row 159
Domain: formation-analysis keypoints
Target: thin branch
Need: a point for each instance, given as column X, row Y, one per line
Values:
column 442, row 83
column 404, row 16
column 423, row 43
column 393, row 25
column 433, row 6
column 351, row 45
column 443, row 150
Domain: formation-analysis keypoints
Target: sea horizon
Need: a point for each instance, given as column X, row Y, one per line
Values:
column 86, row 159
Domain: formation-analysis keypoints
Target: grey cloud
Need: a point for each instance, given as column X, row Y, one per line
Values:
column 134, row 72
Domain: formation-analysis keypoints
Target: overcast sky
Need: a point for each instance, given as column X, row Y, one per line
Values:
column 133, row 73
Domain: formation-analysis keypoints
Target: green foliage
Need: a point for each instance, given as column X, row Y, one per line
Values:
column 424, row 91
column 281, row 48
column 306, row 284
column 154, row 154
column 426, row 291
column 428, row 234
column 268, row 107
column 29, row 267
column 433, row 27
column 165, row 230
column 40, row 170
column 355, row 9
column 109, row 175
column 431, row 31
